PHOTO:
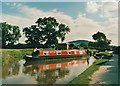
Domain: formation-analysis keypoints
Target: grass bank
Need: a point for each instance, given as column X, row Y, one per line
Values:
column 84, row 78
column 10, row 55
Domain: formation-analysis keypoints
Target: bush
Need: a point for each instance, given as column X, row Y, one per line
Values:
column 104, row 55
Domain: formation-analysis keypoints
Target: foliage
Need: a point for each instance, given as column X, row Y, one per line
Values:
column 99, row 36
column 101, row 41
column 10, row 55
column 93, row 44
column 104, row 55
column 83, row 45
column 46, row 31
column 71, row 45
column 101, row 61
column 10, row 34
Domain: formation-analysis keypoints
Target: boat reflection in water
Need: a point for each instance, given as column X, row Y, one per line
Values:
column 49, row 72
column 59, row 65
column 43, row 72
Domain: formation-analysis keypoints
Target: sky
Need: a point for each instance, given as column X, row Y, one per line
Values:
column 83, row 18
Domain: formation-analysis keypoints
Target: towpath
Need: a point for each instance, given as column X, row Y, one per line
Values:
column 107, row 73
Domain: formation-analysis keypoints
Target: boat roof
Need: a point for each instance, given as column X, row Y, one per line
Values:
column 61, row 50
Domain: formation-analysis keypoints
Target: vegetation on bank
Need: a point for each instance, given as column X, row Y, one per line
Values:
column 84, row 78
column 10, row 55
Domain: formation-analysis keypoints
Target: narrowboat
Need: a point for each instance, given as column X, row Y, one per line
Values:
column 55, row 54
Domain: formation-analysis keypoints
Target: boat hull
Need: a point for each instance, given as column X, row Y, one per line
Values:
column 35, row 58
column 55, row 54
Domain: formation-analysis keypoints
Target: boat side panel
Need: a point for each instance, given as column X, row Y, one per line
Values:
column 63, row 53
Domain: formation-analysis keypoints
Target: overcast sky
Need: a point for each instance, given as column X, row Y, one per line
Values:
column 83, row 18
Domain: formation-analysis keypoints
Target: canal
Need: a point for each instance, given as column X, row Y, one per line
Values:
column 43, row 72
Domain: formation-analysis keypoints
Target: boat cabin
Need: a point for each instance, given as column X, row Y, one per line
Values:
column 61, row 52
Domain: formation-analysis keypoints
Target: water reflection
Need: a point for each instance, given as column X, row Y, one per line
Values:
column 51, row 76
column 10, row 69
column 41, row 72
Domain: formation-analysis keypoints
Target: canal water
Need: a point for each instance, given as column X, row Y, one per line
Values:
column 43, row 72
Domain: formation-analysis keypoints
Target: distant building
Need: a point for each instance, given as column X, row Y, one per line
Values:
column 63, row 46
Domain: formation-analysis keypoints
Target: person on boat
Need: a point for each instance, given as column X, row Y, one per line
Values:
column 35, row 49
column 35, row 52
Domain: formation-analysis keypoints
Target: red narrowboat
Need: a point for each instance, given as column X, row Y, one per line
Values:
column 55, row 54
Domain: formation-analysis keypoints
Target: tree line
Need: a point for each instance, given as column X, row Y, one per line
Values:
column 46, row 32
column 101, row 41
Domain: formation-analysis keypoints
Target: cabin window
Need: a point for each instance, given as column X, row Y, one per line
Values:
column 75, row 52
column 69, row 63
column 58, row 52
column 46, row 52
column 69, row 52
column 81, row 52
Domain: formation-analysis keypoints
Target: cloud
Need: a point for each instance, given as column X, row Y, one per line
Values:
column 111, row 32
column 8, row 4
column 106, row 9
column 14, row 4
column 92, row 7
column 17, row 20
column 86, row 26
column 109, row 10
column 81, row 27
column 0, row 18
column 116, row 1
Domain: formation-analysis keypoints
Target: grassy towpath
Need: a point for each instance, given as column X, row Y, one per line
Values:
column 107, row 73
column 85, row 77
column 11, row 55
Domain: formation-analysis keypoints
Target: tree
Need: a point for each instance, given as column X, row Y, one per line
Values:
column 47, row 31
column 10, row 34
column 83, row 45
column 99, row 36
column 71, row 45
column 101, row 40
